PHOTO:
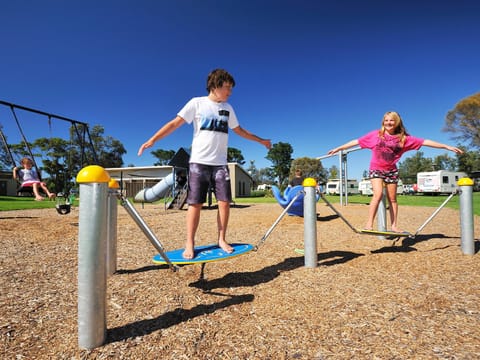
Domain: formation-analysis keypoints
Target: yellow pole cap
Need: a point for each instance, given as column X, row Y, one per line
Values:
column 309, row 182
column 465, row 182
column 113, row 184
column 93, row 174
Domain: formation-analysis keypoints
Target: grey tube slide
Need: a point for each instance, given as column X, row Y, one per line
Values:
column 156, row 192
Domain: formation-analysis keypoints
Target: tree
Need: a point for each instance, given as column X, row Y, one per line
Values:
column 469, row 161
column 333, row 172
column 235, row 155
column 163, row 156
column 310, row 168
column 464, row 120
column 409, row 168
column 109, row 150
column 280, row 155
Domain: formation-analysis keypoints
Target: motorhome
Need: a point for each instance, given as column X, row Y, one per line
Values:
column 365, row 187
column 438, row 182
column 333, row 187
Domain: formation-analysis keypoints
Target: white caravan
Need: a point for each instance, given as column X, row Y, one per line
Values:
column 438, row 182
column 333, row 187
column 365, row 187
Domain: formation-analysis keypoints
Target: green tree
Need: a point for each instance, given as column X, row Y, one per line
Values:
column 310, row 167
column 333, row 172
column 444, row 162
column 163, row 156
column 235, row 155
column 464, row 120
column 109, row 150
column 409, row 168
column 280, row 155
column 469, row 161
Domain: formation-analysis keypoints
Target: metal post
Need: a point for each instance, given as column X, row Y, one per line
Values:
column 382, row 214
column 466, row 216
column 112, row 212
column 310, row 223
column 92, row 275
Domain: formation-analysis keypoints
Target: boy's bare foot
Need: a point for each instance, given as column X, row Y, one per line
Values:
column 189, row 252
column 38, row 198
column 225, row 246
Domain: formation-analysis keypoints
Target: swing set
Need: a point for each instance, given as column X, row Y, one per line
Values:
column 78, row 130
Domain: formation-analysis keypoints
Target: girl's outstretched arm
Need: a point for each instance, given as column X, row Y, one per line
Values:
column 345, row 146
column 437, row 145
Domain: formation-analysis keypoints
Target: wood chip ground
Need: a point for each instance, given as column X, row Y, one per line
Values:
column 367, row 299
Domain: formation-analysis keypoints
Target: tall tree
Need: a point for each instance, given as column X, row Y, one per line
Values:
column 469, row 161
column 235, row 155
column 409, row 168
column 310, row 167
column 464, row 120
column 280, row 155
column 163, row 156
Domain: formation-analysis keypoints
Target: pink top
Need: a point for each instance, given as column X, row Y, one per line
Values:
column 387, row 152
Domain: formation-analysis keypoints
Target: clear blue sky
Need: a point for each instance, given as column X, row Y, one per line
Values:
column 314, row 74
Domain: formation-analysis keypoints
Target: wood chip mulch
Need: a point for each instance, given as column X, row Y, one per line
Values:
column 367, row 299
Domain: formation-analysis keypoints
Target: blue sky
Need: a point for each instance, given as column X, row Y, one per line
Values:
column 314, row 74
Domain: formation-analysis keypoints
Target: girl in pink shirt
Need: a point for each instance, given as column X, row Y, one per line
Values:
column 388, row 145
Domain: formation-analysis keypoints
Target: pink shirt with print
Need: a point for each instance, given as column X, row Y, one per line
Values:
column 386, row 151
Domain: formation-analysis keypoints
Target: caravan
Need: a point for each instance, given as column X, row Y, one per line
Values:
column 438, row 182
column 365, row 187
column 333, row 187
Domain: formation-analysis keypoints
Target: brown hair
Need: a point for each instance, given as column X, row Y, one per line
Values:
column 399, row 130
column 217, row 78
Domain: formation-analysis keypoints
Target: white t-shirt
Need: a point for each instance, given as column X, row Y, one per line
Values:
column 211, row 121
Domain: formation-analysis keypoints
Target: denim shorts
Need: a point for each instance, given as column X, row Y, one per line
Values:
column 388, row 177
column 203, row 177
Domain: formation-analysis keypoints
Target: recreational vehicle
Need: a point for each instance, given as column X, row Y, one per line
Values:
column 365, row 187
column 333, row 187
column 438, row 182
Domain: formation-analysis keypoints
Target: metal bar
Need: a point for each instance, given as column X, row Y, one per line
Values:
column 435, row 213
column 146, row 230
column 269, row 231
column 338, row 213
column 41, row 112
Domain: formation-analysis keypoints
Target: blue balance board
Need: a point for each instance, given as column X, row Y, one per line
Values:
column 203, row 254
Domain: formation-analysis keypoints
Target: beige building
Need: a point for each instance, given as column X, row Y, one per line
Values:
column 134, row 179
column 8, row 185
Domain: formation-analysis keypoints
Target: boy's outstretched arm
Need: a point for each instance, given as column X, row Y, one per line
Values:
column 437, row 145
column 248, row 135
column 164, row 131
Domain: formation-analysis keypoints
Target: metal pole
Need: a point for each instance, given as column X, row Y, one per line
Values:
column 92, row 247
column 382, row 214
column 310, row 223
column 466, row 216
column 112, row 214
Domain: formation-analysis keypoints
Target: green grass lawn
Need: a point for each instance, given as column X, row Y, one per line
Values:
column 20, row 203
column 410, row 200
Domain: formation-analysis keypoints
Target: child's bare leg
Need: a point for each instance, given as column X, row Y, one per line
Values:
column 36, row 192
column 49, row 194
column 193, row 219
column 222, row 223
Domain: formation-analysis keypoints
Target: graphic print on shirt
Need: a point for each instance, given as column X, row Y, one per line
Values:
column 388, row 149
column 219, row 124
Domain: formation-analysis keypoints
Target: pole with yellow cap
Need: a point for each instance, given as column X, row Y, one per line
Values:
column 466, row 215
column 92, row 247
column 112, row 213
column 310, row 222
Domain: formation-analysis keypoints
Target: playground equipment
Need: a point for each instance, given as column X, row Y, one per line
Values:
column 157, row 191
column 77, row 129
column 96, row 244
column 296, row 207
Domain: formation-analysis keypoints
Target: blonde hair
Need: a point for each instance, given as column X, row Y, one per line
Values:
column 26, row 160
column 399, row 130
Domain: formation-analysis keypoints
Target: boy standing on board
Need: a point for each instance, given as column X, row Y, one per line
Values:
column 211, row 116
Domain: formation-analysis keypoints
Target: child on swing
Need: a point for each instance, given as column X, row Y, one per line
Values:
column 388, row 144
column 29, row 177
